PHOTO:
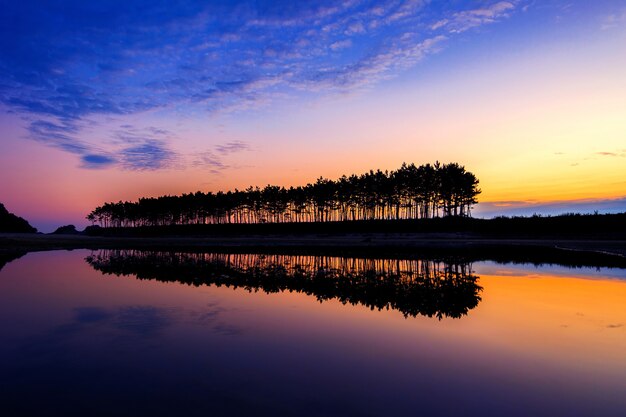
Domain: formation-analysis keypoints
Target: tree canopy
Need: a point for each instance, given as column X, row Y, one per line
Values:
column 410, row 192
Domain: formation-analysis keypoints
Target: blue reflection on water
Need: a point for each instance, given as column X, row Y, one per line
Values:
column 75, row 342
column 512, row 269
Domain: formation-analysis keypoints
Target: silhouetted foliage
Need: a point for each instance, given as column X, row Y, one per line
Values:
column 579, row 226
column 413, row 287
column 10, row 223
column 410, row 192
column 93, row 230
column 70, row 229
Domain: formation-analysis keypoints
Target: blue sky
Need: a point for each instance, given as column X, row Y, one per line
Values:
column 66, row 62
column 117, row 91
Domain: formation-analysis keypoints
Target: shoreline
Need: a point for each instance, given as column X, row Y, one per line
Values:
column 575, row 252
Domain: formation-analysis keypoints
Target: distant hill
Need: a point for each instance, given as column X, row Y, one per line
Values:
column 10, row 223
column 70, row 229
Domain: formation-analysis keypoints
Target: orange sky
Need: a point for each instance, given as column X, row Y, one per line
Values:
column 533, row 105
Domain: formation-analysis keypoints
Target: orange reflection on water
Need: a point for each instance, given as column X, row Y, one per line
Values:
column 538, row 335
column 573, row 321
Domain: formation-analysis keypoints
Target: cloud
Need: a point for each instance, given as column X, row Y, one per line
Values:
column 132, row 148
column 129, row 134
column 613, row 154
column 530, row 207
column 151, row 154
column 60, row 135
column 354, row 28
column 467, row 19
column 404, row 10
column 210, row 161
column 64, row 67
column 232, row 147
column 213, row 159
column 336, row 46
column 373, row 68
column 511, row 203
column 614, row 20
column 92, row 161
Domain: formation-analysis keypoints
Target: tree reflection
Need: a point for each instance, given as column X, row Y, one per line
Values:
column 413, row 287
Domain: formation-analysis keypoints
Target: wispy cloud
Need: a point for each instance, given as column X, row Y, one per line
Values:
column 613, row 154
column 214, row 159
column 214, row 164
column 342, row 44
column 59, row 134
column 148, row 155
column 614, row 20
column 62, row 66
column 530, row 207
column 468, row 19
column 232, row 147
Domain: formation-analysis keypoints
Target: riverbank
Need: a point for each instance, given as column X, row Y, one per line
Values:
column 575, row 252
column 563, row 227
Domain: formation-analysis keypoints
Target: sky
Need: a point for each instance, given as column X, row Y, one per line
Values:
column 116, row 100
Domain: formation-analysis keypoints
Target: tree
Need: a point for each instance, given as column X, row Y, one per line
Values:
column 409, row 192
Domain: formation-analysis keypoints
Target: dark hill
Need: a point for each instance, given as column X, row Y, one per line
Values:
column 70, row 229
column 10, row 223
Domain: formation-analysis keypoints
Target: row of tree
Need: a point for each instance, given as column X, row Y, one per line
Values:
column 410, row 192
column 413, row 287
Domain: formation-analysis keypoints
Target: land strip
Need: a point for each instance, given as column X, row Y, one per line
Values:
column 575, row 252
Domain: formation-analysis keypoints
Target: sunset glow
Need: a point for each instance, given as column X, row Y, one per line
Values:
column 109, row 101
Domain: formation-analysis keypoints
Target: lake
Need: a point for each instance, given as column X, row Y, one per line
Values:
column 130, row 333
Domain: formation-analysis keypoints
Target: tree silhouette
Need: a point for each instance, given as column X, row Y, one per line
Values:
column 411, row 286
column 410, row 192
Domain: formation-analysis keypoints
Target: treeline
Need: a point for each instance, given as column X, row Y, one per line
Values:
column 410, row 192
column 413, row 287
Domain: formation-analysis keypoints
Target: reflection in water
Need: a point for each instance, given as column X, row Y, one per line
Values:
column 76, row 343
column 10, row 256
column 413, row 287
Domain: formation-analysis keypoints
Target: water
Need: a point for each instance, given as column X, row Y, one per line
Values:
column 160, row 334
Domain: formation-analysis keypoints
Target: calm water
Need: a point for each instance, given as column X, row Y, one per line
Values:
column 158, row 334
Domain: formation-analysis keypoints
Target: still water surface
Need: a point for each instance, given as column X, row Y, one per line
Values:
column 136, row 333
